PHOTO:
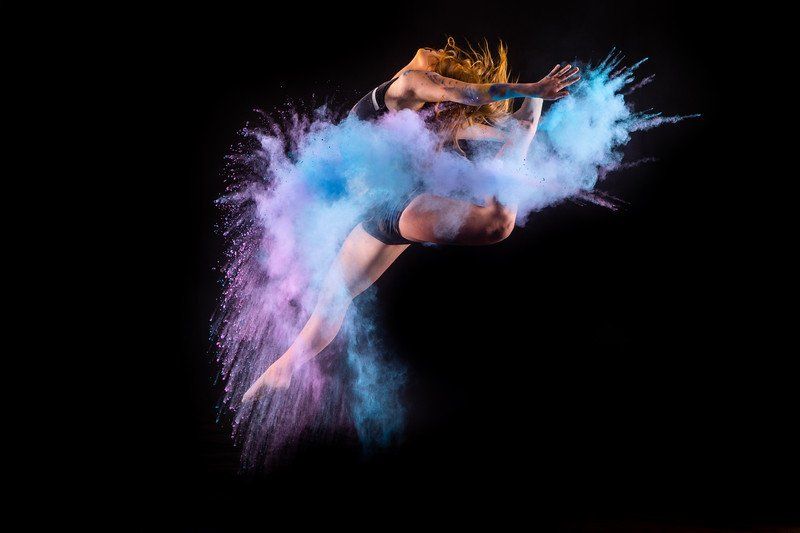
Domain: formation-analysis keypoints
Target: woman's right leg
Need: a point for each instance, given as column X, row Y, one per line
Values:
column 441, row 220
column 361, row 261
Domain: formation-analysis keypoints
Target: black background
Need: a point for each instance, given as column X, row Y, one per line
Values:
column 596, row 366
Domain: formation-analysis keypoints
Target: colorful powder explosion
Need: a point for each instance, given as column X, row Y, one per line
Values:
column 303, row 187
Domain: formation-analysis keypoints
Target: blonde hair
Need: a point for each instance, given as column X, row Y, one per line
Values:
column 471, row 66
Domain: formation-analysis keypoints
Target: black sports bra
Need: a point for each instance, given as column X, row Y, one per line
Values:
column 373, row 104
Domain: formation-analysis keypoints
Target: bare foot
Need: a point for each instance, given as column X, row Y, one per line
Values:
column 277, row 376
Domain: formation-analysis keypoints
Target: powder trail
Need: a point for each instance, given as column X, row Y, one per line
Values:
column 301, row 185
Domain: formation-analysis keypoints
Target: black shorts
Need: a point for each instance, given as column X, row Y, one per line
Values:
column 382, row 221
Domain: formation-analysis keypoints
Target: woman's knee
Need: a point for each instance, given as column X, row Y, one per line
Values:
column 498, row 226
column 446, row 221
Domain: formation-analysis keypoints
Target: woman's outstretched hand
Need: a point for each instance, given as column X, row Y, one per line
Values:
column 554, row 85
column 277, row 376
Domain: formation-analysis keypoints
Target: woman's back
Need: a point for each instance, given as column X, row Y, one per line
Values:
column 373, row 104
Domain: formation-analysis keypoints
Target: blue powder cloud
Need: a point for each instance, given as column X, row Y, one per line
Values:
column 302, row 189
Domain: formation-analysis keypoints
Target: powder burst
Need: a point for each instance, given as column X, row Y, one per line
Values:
column 300, row 187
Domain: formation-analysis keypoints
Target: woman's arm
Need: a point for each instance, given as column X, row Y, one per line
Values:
column 516, row 132
column 417, row 87
column 527, row 120
column 529, row 111
column 482, row 132
column 516, row 145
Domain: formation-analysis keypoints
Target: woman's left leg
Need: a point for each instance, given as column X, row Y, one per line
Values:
column 361, row 261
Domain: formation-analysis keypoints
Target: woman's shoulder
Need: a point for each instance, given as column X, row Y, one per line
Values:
column 400, row 92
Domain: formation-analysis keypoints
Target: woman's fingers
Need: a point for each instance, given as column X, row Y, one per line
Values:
column 564, row 76
column 569, row 81
column 563, row 71
column 570, row 73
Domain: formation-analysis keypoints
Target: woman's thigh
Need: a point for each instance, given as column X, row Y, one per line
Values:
column 441, row 220
column 363, row 259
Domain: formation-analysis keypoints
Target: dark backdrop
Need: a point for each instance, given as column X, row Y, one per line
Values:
column 596, row 365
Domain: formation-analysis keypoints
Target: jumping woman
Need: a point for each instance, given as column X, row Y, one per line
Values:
column 471, row 96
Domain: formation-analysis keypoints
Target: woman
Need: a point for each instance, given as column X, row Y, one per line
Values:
column 471, row 97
